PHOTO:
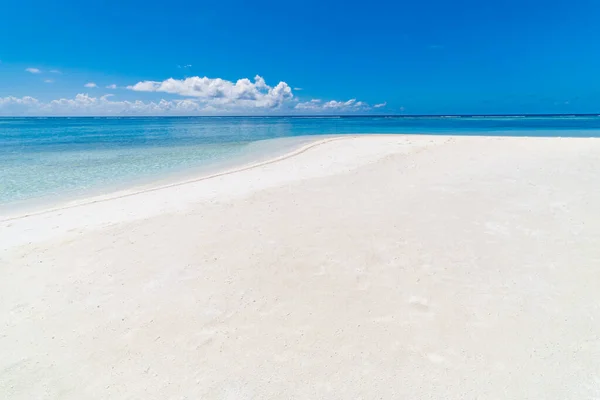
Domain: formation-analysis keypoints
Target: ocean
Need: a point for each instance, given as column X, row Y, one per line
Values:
column 49, row 158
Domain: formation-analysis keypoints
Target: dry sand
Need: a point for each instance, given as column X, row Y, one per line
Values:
column 397, row 267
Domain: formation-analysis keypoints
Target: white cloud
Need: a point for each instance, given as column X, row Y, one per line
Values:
column 314, row 104
column 201, row 96
column 352, row 103
column 298, row 88
column 220, row 93
column 25, row 100
column 104, row 106
column 83, row 104
column 49, row 80
column 55, row 71
column 11, row 105
column 33, row 70
column 380, row 105
column 317, row 105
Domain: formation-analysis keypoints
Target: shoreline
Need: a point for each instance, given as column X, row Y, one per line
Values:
column 177, row 196
column 452, row 260
column 73, row 198
column 185, row 176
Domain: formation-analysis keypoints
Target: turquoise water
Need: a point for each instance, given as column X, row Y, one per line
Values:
column 48, row 157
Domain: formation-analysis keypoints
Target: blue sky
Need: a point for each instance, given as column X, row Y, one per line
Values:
column 426, row 57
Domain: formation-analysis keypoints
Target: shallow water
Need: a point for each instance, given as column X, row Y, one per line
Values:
column 42, row 158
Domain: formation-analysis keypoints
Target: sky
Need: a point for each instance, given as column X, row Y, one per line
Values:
column 120, row 57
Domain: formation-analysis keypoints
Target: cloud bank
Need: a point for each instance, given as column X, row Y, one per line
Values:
column 333, row 105
column 83, row 104
column 220, row 93
column 198, row 96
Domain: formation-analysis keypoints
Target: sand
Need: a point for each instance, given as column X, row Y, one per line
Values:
column 393, row 267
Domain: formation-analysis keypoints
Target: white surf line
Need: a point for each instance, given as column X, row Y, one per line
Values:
column 85, row 202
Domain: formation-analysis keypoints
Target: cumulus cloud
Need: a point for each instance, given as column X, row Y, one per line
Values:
column 298, row 88
column 317, row 105
column 49, row 80
column 200, row 96
column 314, row 104
column 17, row 105
column 84, row 104
column 350, row 104
column 380, row 105
column 26, row 100
column 221, row 93
column 33, row 70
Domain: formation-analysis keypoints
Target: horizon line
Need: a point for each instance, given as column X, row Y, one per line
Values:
column 313, row 116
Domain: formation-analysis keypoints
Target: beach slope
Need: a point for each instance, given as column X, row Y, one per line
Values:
column 357, row 267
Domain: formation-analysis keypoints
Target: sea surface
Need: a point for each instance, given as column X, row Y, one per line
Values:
column 49, row 158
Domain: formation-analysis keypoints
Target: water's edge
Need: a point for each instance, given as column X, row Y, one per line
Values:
column 264, row 152
column 52, row 160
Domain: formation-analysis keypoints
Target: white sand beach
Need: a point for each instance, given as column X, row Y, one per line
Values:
column 367, row 267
